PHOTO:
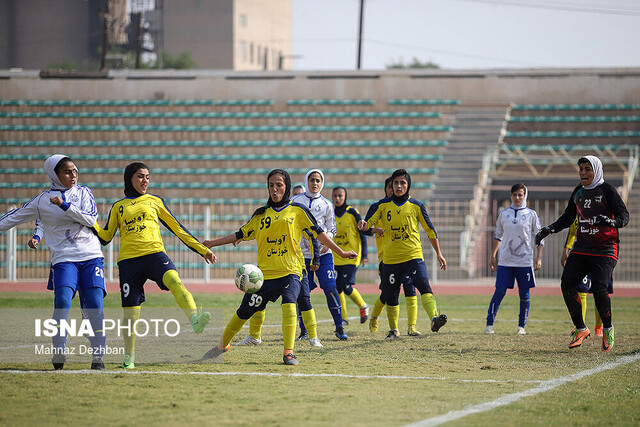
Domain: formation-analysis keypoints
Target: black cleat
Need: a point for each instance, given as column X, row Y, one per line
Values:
column 58, row 361
column 438, row 322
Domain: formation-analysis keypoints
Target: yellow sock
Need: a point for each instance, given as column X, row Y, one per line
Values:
column 377, row 308
column 309, row 319
column 598, row 318
column 412, row 310
column 131, row 314
column 393, row 312
column 357, row 298
column 255, row 324
column 343, row 303
column 182, row 296
column 583, row 302
column 289, row 318
column 429, row 304
column 233, row 327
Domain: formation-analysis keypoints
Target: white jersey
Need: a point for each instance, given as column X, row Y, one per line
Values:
column 516, row 230
column 67, row 228
column 322, row 210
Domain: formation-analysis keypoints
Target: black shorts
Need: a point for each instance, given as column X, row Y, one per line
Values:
column 287, row 287
column 599, row 269
column 134, row 272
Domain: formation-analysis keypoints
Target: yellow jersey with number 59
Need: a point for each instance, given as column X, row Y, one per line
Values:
column 400, row 223
column 278, row 232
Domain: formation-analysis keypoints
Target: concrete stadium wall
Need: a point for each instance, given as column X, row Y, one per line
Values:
column 472, row 87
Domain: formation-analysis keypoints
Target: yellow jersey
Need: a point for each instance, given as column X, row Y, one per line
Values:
column 400, row 223
column 278, row 232
column 348, row 237
column 138, row 220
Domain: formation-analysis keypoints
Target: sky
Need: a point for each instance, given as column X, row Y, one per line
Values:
column 467, row 34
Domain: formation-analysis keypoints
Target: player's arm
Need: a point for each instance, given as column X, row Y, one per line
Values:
column 497, row 240
column 314, row 245
column 568, row 244
column 246, row 232
column 168, row 220
column 364, row 251
column 26, row 212
column 38, row 232
column 326, row 240
column 106, row 234
column 371, row 218
column 86, row 214
column 436, row 247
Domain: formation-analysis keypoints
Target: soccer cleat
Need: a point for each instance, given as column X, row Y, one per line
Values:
column 129, row 360
column 58, row 361
column 249, row 340
column 488, row 329
column 97, row 363
column 200, row 320
column 290, row 359
column 373, row 324
column 607, row 339
column 393, row 334
column 303, row 336
column 521, row 331
column 578, row 337
column 341, row 335
column 215, row 352
column 598, row 331
column 345, row 322
column 573, row 331
column 364, row 313
column 413, row 332
column 438, row 322
column 315, row 342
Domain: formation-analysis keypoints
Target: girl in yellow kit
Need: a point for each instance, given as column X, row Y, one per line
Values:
column 277, row 229
column 142, row 254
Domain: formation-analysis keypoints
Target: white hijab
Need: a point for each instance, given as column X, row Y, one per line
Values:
column 524, row 201
column 598, row 177
column 306, row 181
column 49, row 168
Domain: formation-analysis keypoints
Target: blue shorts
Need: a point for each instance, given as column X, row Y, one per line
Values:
column 287, row 287
column 326, row 273
column 134, row 272
column 585, row 285
column 414, row 271
column 345, row 275
column 304, row 299
column 506, row 276
column 79, row 276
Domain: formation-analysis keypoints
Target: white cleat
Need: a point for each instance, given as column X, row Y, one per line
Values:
column 249, row 340
column 315, row 342
column 521, row 331
column 488, row 329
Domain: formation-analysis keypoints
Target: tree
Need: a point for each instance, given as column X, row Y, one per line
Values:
column 415, row 63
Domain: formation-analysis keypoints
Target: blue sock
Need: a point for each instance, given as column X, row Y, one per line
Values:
column 92, row 305
column 333, row 302
column 494, row 305
column 61, row 304
column 525, row 302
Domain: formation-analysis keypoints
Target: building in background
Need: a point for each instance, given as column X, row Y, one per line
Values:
column 237, row 35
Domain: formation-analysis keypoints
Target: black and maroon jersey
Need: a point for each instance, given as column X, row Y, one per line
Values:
column 586, row 205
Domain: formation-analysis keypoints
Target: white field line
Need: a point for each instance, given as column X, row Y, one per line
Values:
column 263, row 374
column 507, row 399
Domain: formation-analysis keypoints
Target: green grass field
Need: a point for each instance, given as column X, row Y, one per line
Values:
column 363, row 381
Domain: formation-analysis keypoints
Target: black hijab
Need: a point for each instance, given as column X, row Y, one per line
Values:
column 129, row 171
column 285, row 197
column 401, row 173
column 340, row 210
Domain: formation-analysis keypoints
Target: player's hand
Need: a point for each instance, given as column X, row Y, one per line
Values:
column 442, row 261
column 492, row 263
column 349, row 255
column 323, row 249
column 362, row 225
column 538, row 264
column 542, row 234
column 377, row 230
column 601, row 219
column 565, row 255
column 314, row 267
column 364, row 261
column 56, row 201
column 236, row 243
column 33, row 243
column 210, row 257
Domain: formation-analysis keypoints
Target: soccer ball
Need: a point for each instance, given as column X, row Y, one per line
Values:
column 249, row 278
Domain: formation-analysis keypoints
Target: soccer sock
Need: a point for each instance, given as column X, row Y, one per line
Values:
column 255, row 324
column 131, row 314
column 92, row 301
column 357, row 298
column 429, row 304
column 333, row 302
column 377, row 308
column 289, row 326
column 573, row 303
column 182, row 296
column 343, row 305
column 598, row 318
column 233, row 327
column 525, row 303
column 61, row 303
column 412, row 310
column 603, row 304
column 309, row 318
column 583, row 301
column 393, row 312
column 494, row 305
